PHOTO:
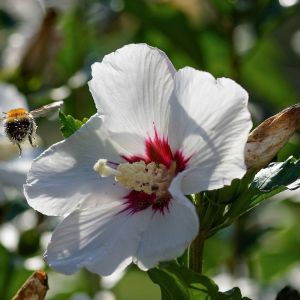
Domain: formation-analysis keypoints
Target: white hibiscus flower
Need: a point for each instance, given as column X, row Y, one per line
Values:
column 159, row 135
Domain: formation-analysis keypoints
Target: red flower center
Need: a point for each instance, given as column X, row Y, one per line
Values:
column 157, row 150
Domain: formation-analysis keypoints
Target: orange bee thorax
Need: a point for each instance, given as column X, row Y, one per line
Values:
column 17, row 113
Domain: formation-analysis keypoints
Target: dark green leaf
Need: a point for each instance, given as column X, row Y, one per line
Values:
column 179, row 283
column 183, row 260
column 233, row 294
column 276, row 175
column 69, row 124
column 267, row 182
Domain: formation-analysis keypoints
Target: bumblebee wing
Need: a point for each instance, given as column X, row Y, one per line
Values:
column 44, row 110
column 2, row 120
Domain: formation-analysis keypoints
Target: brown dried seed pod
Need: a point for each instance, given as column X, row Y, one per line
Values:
column 270, row 136
column 34, row 288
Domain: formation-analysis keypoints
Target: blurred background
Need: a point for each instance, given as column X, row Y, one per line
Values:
column 46, row 50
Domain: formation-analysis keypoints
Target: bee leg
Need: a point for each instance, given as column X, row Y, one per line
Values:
column 31, row 142
column 20, row 149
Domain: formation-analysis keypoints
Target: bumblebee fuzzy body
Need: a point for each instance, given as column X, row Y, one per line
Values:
column 19, row 125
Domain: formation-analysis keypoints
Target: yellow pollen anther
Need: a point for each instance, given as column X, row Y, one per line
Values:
column 151, row 178
column 148, row 178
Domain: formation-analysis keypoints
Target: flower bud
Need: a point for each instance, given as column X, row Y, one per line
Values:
column 35, row 287
column 270, row 136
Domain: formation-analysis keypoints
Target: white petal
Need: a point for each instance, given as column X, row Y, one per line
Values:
column 210, row 122
column 97, row 236
column 131, row 88
column 63, row 175
column 169, row 234
column 102, row 237
column 10, row 98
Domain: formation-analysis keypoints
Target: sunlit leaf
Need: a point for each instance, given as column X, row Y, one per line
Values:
column 268, row 182
column 276, row 175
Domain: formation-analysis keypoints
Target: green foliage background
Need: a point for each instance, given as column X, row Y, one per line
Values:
column 255, row 42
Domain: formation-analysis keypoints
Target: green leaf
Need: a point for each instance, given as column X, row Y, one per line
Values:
column 179, row 283
column 274, row 179
column 234, row 294
column 268, row 182
column 69, row 124
column 276, row 175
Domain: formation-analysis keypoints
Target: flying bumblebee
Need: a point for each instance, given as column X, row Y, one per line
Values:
column 19, row 124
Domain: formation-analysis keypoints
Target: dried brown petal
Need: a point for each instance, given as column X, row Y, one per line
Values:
column 34, row 288
column 270, row 136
